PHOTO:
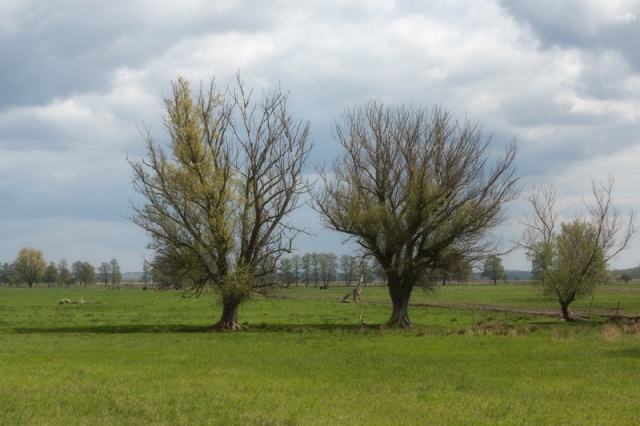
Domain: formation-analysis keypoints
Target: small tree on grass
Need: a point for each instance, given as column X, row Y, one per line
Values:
column 572, row 260
column 104, row 270
column 348, row 265
column 83, row 272
column 116, row 274
column 50, row 274
column 146, row 271
column 493, row 269
column 30, row 265
column 64, row 274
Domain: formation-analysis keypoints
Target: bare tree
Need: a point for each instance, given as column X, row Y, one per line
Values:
column 83, row 272
column 327, row 264
column 218, row 194
column 315, row 266
column 306, row 268
column 146, row 271
column 570, row 258
column 412, row 185
column 348, row 265
column 104, row 270
column 285, row 270
column 296, row 264
column 64, row 274
column 116, row 274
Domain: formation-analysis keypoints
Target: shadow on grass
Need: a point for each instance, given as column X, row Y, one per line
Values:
column 116, row 329
column 498, row 327
column 181, row 328
column 627, row 353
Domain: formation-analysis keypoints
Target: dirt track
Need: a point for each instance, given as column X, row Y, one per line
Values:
column 547, row 312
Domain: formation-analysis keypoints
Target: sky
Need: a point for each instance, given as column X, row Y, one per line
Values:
column 79, row 79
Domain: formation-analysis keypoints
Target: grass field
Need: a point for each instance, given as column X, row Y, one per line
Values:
column 135, row 357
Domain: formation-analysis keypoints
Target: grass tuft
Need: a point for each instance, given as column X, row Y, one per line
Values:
column 611, row 332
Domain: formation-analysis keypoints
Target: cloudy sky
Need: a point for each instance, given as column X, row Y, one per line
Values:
column 79, row 78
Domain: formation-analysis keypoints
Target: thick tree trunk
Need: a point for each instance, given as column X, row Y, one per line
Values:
column 229, row 319
column 566, row 313
column 400, row 294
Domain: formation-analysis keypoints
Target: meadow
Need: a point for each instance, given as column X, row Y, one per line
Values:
column 476, row 355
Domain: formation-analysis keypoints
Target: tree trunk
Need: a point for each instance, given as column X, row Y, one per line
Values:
column 400, row 294
column 229, row 319
column 566, row 313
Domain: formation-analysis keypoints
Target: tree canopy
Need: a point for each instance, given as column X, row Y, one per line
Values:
column 493, row 269
column 411, row 187
column 30, row 265
column 219, row 192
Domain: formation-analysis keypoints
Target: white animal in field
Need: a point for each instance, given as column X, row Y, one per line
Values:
column 66, row 301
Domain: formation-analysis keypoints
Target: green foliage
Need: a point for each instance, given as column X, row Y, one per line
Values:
column 193, row 197
column 51, row 275
column 30, row 266
column 570, row 262
column 493, row 269
column 626, row 278
column 84, row 273
column 573, row 262
column 237, row 286
column 8, row 274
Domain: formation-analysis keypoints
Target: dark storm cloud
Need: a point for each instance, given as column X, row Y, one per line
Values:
column 54, row 49
column 588, row 25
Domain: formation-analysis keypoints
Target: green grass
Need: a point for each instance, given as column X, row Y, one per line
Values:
column 133, row 357
column 605, row 299
column 528, row 295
